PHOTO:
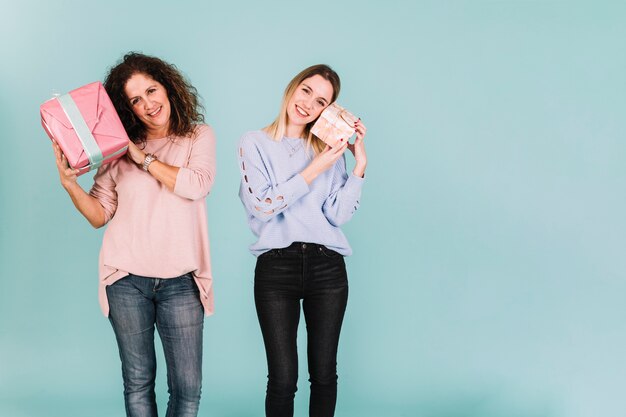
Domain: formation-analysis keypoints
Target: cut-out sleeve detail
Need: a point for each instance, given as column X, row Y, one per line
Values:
column 343, row 200
column 262, row 196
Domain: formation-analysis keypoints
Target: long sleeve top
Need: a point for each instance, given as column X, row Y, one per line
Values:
column 152, row 231
column 281, row 207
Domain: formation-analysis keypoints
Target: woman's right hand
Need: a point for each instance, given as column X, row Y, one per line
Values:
column 323, row 161
column 67, row 175
column 89, row 206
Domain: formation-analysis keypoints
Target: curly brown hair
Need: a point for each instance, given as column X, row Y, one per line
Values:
column 183, row 97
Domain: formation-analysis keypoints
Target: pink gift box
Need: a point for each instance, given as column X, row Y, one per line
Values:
column 335, row 123
column 86, row 127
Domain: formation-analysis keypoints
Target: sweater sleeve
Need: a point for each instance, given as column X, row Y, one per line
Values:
column 343, row 200
column 262, row 197
column 103, row 190
column 195, row 178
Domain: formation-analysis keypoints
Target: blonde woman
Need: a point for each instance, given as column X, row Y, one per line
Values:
column 297, row 193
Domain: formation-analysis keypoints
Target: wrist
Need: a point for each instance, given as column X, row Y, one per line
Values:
column 359, row 171
column 308, row 174
column 147, row 160
column 308, row 178
column 69, row 186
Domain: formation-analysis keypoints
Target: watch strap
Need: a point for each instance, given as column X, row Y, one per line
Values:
column 150, row 158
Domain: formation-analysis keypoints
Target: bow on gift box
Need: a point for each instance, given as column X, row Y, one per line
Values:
column 348, row 117
column 334, row 123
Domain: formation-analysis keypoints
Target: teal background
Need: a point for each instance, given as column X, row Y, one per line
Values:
column 488, row 278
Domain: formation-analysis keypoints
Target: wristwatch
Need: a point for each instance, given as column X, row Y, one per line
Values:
column 150, row 158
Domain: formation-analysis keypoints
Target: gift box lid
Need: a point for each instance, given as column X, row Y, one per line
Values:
column 86, row 126
column 334, row 123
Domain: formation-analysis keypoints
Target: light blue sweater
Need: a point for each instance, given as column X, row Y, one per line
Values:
column 281, row 207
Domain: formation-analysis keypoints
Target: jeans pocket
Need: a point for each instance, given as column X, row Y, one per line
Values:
column 185, row 282
column 272, row 253
column 329, row 253
column 119, row 280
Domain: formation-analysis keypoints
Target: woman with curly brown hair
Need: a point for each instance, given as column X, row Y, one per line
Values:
column 154, row 263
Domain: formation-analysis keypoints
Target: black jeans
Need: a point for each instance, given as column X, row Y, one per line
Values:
column 317, row 276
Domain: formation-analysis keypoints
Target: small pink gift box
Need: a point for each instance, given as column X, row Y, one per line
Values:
column 335, row 123
column 86, row 127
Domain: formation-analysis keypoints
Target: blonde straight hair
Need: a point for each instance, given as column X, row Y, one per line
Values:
column 276, row 130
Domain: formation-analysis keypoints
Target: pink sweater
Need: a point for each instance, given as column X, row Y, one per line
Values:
column 152, row 231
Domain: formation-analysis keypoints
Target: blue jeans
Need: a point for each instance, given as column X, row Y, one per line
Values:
column 136, row 305
column 317, row 276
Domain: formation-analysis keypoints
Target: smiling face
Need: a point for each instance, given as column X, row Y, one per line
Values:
column 149, row 101
column 311, row 97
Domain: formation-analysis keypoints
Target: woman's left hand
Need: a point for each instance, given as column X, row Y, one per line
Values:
column 135, row 154
column 358, row 149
